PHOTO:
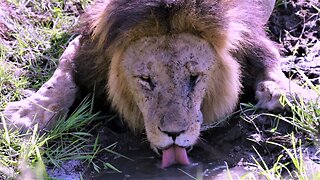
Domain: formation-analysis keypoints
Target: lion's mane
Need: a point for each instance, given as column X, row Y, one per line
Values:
column 111, row 26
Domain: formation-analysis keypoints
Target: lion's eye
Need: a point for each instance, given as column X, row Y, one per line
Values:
column 194, row 79
column 146, row 82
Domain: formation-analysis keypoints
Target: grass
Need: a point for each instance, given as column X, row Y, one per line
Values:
column 293, row 161
column 301, row 168
column 33, row 36
column 69, row 140
column 10, row 85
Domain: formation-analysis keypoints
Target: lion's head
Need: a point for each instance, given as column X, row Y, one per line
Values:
column 168, row 84
column 170, row 70
column 167, row 77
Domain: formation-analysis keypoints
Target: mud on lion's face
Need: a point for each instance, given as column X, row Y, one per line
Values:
column 167, row 77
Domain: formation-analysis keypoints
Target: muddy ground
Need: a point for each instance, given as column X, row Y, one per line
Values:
column 229, row 145
column 297, row 30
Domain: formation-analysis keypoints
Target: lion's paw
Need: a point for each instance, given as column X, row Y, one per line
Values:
column 26, row 113
column 268, row 95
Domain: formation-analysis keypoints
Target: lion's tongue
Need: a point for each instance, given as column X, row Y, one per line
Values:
column 174, row 155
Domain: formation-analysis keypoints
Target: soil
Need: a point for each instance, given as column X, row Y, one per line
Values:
column 297, row 28
column 229, row 145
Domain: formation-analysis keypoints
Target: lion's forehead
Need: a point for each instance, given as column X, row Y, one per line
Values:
column 170, row 54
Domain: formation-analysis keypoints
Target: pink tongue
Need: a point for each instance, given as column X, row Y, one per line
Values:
column 174, row 155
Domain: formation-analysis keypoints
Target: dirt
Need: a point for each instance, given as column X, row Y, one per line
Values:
column 229, row 145
column 69, row 170
column 207, row 158
column 297, row 29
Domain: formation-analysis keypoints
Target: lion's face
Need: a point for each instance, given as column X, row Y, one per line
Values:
column 167, row 77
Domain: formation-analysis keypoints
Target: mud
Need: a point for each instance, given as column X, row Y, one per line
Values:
column 208, row 158
column 69, row 170
column 296, row 27
column 227, row 146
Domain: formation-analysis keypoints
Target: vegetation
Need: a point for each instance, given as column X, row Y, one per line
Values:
column 30, row 153
column 33, row 34
column 293, row 161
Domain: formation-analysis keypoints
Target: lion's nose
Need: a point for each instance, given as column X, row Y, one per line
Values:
column 173, row 135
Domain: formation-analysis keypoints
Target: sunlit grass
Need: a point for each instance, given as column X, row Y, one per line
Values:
column 69, row 140
column 304, row 117
column 302, row 169
column 10, row 84
column 36, row 35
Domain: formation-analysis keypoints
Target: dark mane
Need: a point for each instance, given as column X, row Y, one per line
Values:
column 152, row 18
column 110, row 26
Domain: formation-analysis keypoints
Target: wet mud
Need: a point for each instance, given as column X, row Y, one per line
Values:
column 224, row 149
column 207, row 159
column 295, row 26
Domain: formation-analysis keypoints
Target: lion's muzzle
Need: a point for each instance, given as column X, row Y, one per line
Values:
column 174, row 154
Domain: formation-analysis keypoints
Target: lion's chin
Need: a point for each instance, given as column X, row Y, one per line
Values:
column 174, row 155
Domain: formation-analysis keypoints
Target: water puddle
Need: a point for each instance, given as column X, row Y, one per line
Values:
column 221, row 148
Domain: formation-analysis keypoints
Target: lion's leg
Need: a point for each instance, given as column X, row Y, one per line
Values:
column 270, row 83
column 52, row 100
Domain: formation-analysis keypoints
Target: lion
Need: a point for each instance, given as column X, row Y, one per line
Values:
column 166, row 67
